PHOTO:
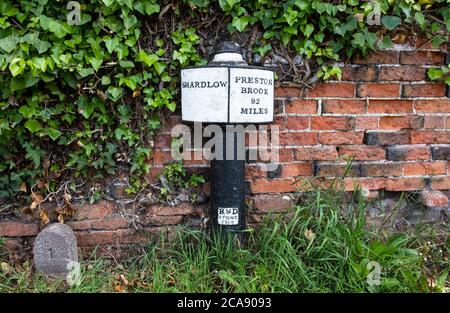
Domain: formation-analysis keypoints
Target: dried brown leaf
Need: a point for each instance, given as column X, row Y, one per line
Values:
column 43, row 216
column 23, row 187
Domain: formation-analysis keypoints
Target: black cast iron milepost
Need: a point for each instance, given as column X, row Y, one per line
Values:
column 228, row 92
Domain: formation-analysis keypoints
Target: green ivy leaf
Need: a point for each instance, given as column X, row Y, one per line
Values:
column 8, row 44
column 420, row 19
column 33, row 154
column 126, row 64
column 240, row 23
column 86, row 71
column 95, row 63
column 171, row 106
column 108, row 2
column 148, row 59
column 309, row 28
column 17, row 66
column 41, row 46
column 60, row 29
column 437, row 41
column 33, row 126
column 385, row 43
column 114, row 93
column 27, row 111
column 390, row 22
column 53, row 133
column 159, row 67
column 435, row 73
column 85, row 107
column 111, row 43
column 106, row 80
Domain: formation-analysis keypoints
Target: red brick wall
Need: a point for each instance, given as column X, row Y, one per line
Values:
column 385, row 114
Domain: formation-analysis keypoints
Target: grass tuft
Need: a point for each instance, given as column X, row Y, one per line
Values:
column 323, row 244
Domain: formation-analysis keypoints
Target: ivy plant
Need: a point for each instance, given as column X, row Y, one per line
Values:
column 81, row 98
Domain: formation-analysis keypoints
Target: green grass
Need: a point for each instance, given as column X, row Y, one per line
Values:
column 325, row 245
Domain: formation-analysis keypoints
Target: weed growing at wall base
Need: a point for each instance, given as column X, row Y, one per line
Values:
column 326, row 245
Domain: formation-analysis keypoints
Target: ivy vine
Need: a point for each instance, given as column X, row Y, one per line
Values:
column 85, row 99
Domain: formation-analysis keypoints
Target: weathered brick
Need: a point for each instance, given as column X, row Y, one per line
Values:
column 336, row 169
column 95, row 238
column 433, row 198
column 434, row 122
column 300, row 106
column 126, row 236
column 401, row 122
column 432, row 106
column 284, row 154
column 161, row 157
column 408, row 153
column 377, row 90
column 255, row 171
column 378, row 57
column 332, row 123
column 287, row 92
column 297, row 122
column 424, row 43
column 425, row 168
column 344, row 106
column 264, row 155
column 366, row 122
column 368, row 183
column 281, row 121
column 97, row 210
column 423, row 90
column 18, row 229
column 363, row 152
column 430, row 137
column 360, row 73
column 110, row 223
column 324, row 153
column 154, row 173
column 341, row 138
column 80, row 225
column 440, row 152
column 278, row 106
column 390, row 106
column 381, row 169
column 298, row 139
column 402, row 73
column 159, row 220
column 272, row 203
column 181, row 209
column 272, row 186
column 386, row 138
column 162, row 141
column 421, row 57
column 167, row 123
column 338, row 90
column 404, row 184
column 370, row 195
column 12, row 244
column 296, row 169
column 440, row 182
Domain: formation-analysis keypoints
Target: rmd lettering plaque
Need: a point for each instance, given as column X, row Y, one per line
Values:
column 225, row 94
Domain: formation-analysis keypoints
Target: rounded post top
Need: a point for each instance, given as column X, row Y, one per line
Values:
column 228, row 47
column 228, row 52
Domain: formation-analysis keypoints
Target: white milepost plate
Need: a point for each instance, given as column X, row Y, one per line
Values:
column 204, row 94
column 227, row 95
column 251, row 95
